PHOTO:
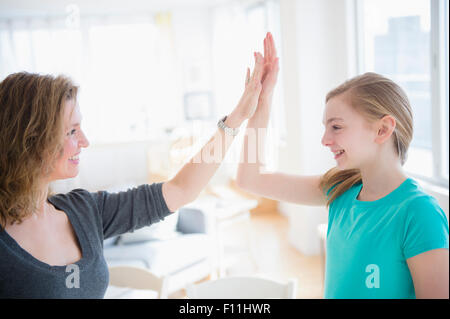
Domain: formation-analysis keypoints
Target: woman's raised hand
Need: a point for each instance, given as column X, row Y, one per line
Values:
column 249, row 100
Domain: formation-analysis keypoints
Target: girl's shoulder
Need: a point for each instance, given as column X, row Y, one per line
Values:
column 425, row 224
column 423, row 205
column 419, row 205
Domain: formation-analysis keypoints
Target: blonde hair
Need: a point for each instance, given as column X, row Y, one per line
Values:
column 31, row 138
column 373, row 96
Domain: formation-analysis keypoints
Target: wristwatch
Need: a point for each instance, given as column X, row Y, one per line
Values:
column 228, row 130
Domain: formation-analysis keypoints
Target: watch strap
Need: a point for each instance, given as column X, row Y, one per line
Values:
column 228, row 130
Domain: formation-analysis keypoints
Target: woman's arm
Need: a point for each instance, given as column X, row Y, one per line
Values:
column 429, row 272
column 278, row 186
column 195, row 175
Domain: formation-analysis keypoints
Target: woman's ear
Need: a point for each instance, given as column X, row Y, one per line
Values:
column 385, row 128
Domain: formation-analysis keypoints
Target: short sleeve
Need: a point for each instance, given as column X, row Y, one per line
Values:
column 426, row 227
column 129, row 210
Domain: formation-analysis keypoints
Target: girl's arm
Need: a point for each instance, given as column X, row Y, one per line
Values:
column 195, row 175
column 429, row 272
column 278, row 186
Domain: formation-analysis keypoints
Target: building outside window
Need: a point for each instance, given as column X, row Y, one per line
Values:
column 407, row 41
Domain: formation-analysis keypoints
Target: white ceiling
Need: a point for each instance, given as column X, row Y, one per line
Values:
column 26, row 8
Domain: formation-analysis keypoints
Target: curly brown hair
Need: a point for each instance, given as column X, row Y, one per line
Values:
column 31, row 138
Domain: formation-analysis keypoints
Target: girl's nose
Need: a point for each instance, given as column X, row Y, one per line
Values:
column 325, row 140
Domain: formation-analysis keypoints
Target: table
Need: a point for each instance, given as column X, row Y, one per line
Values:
column 224, row 213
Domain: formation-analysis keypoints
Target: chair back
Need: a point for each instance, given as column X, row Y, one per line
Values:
column 137, row 278
column 242, row 287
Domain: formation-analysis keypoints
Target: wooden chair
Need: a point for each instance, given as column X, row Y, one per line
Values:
column 137, row 278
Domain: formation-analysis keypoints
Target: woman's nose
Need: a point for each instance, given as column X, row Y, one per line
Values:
column 84, row 141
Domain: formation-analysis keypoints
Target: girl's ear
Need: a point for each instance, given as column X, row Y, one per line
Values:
column 386, row 127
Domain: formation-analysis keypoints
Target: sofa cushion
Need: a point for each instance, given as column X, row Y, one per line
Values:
column 164, row 257
column 191, row 221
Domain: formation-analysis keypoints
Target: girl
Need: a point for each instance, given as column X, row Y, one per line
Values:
column 44, row 239
column 386, row 237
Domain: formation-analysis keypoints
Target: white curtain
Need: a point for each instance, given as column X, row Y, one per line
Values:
column 238, row 30
column 124, row 65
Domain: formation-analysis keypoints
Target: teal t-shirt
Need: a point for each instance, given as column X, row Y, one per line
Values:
column 368, row 243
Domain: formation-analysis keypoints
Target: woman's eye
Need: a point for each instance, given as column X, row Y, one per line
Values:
column 72, row 132
column 335, row 127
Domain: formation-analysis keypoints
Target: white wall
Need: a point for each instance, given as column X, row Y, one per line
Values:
column 112, row 166
column 192, row 39
column 315, row 61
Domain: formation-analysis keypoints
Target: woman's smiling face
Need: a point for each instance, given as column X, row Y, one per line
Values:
column 350, row 137
column 74, row 139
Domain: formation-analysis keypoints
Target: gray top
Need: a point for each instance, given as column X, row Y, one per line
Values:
column 94, row 217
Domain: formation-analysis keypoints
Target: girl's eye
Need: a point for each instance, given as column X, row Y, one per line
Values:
column 335, row 127
column 72, row 132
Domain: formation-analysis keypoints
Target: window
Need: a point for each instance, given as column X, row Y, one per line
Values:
column 445, row 36
column 407, row 41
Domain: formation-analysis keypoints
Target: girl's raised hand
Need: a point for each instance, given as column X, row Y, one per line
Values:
column 271, row 67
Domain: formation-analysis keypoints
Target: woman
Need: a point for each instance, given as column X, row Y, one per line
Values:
column 386, row 238
column 52, row 246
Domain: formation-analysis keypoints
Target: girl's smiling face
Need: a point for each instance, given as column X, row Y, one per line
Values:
column 74, row 139
column 348, row 134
